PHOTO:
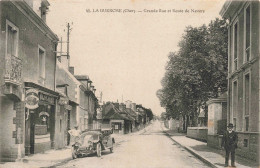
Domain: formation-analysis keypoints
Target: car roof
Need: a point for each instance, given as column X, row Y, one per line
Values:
column 91, row 133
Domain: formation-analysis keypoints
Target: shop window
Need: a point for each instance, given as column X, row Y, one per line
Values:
column 42, row 120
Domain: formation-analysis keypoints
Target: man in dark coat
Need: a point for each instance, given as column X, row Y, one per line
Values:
column 229, row 142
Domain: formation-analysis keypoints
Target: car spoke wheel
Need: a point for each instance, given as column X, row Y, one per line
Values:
column 111, row 149
column 98, row 149
column 74, row 155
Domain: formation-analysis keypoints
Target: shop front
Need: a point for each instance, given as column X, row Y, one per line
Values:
column 117, row 126
column 39, row 119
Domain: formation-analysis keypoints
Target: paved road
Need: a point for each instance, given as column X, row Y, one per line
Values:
column 149, row 149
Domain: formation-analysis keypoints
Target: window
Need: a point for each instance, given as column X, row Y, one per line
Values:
column 245, row 143
column 247, row 94
column 247, row 122
column 60, row 125
column 235, row 44
column 85, row 123
column 235, row 123
column 247, row 32
column 11, row 39
column 247, row 100
column 235, row 100
column 41, row 62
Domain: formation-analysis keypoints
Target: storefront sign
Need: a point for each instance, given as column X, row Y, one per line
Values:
column 46, row 98
column 31, row 99
column 44, row 113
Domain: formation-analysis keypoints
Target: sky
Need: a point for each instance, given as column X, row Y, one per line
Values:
column 124, row 53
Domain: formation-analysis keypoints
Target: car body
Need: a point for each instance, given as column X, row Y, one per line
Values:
column 93, row 141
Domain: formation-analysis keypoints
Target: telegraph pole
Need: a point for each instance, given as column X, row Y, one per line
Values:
column 68, row 42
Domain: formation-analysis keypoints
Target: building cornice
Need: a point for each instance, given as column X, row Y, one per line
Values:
column 243, row 67
column 216, row 100
column 230, row 8
column 35, row 19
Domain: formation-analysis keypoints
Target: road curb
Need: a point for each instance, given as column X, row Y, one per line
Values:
column 206, row 161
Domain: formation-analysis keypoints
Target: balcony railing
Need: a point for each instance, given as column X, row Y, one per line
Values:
column 13, row 70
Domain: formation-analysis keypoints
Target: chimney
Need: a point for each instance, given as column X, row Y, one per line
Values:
column 71, row 70
column 122, row 107
column 133, row 106
column 128, row 104
column 116, row 105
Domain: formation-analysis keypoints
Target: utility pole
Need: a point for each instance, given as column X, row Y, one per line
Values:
column 68, row 42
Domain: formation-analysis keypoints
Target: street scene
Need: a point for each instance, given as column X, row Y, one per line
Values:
column 147, row 148
column 129, row 83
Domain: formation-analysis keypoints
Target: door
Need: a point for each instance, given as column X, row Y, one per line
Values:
column 68, row 128
column 32, row 130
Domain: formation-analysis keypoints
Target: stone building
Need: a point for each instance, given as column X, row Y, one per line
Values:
column 243, row 73
column 88, row 103
column 66, row 117
column 27, row 78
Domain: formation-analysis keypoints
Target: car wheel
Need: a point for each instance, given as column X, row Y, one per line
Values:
column 98, row 149
column 74, row 155
column 111, row 149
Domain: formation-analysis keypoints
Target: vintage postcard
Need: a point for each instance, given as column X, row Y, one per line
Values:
column 129, row 83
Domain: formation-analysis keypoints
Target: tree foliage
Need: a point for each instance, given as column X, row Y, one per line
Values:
column 196, row 71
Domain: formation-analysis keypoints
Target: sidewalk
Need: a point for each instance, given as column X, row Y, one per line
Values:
column 47, row 159
column 53, row 158
column 213, row 157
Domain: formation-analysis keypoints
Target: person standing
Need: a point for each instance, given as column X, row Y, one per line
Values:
column 74, row 133
column 229, row 142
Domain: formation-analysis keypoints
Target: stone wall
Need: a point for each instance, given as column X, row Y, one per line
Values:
column 199, row 133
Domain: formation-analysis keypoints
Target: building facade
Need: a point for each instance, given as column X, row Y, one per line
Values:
column 88, row 103
column 66, row 117
column 243, row 73
column 27, row 78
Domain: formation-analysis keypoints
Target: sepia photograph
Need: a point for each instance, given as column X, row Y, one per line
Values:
column 129, row 83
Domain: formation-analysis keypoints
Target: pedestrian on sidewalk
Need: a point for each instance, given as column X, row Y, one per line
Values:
column 229, row 142
column 74, row 133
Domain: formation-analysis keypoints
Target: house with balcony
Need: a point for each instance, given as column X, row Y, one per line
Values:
column 27, row 78
column 243, row 100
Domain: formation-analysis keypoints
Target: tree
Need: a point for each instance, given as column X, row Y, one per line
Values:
column 195, row 72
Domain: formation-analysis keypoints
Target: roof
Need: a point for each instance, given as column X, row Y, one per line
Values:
column 115, row 113
column 230, row 7
column 131, row 112
column 82, row 77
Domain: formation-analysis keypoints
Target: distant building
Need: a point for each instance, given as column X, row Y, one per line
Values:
column 88, row 103
column 116, row 118
column 243, row 73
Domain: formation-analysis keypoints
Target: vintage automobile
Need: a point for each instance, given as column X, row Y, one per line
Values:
column 90, row 142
